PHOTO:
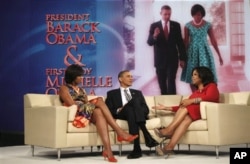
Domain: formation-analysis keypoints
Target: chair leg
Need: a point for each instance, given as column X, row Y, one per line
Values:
column 217, row 151
column 178, row 147
column 58, row 154
column 188, row 147
column 98, row 147
column 91, row 149
column 120, row 149
column 32, row 150
column 247, row 145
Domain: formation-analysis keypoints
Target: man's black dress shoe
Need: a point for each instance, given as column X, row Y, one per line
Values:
column 134, row 155
column 150, row 142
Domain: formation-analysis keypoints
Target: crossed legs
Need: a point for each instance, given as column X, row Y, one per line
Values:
column 102, row 129
column 102, row 118
column 177, row 127
column 100, row 104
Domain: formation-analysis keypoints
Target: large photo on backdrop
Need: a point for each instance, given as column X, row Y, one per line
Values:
column 105, row 38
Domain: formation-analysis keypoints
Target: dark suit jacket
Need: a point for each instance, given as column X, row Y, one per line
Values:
column 167, row 51
column 114, row 100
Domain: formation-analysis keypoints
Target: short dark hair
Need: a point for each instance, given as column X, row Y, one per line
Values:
column 205, row 74
column 72, row 72
column 198, row 8
column 165, row 7
column 120, row 74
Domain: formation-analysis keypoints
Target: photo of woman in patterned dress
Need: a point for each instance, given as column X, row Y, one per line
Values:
column 198, row 49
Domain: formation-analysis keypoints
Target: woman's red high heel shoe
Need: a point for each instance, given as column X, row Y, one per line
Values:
column 129, row 139
column 110, row 159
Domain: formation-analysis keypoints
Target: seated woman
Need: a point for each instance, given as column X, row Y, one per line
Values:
column 189, row 109
column 94, row 111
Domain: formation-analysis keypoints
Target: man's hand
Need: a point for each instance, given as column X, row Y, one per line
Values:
column 119, row 110
column 182, row 64
column 156, row 32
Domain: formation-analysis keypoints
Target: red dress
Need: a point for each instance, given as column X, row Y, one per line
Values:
column 209, row 93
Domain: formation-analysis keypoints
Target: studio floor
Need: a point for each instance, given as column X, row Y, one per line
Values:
column 197, row 155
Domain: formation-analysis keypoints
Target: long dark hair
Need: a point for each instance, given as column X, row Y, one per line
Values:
column 72, row 72
column 205, row 74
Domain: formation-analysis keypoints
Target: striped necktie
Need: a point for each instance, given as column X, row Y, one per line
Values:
column 128, row 97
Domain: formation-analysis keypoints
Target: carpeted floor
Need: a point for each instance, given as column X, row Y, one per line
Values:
column 197, row 155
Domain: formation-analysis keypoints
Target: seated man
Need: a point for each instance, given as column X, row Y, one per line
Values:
column 129, row 104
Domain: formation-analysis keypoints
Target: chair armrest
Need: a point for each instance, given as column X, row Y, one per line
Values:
column 46, row 126
column 203, row 105
column 228, row 123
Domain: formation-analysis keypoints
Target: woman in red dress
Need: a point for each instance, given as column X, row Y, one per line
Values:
column 189, row 109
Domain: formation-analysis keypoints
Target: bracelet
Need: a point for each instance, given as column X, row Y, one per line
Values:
column 197, row 100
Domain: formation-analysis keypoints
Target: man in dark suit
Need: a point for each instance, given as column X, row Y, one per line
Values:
column 129, row 104
column 165, row 36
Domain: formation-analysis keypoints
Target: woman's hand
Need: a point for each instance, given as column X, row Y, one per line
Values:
column 186, row 102
column 221, row 61
column 161, row 107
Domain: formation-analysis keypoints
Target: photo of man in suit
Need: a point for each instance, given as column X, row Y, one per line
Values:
column 130, row 105
column 165, row 36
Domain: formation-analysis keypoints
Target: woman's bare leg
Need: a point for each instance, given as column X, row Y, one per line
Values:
column 178, row 133
column 102, row 129
column 109, row 118
column 178, row 118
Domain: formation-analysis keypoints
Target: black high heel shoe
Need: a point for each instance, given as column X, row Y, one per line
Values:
column 149, row 141
column 161, row 151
